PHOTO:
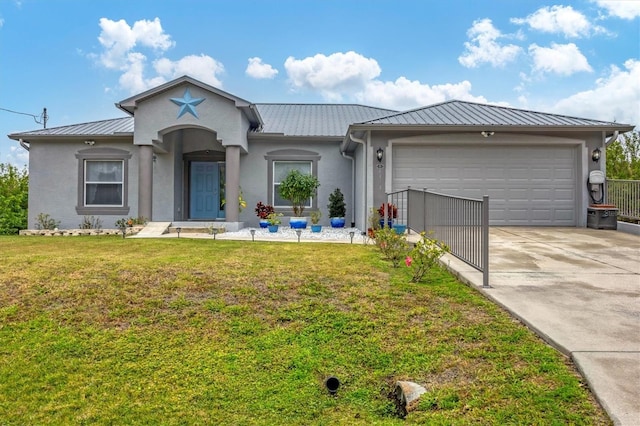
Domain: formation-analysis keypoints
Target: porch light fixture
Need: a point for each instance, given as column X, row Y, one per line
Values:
column 90, row 143
column 379, row 154
column 486, row 134
column 595, row 155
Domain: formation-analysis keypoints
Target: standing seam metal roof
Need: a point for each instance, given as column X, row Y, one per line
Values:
column 315, row 119
column 462, row 113
column 95, row 128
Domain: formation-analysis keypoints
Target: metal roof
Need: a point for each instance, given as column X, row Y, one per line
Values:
column 462, row 113
column 116, row 126
column 315, row 119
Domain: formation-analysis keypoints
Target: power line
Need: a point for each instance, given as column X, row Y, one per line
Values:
column 42, row 117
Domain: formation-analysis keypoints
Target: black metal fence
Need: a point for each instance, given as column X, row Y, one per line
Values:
column 460, row 223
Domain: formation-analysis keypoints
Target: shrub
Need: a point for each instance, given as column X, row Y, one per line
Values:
column 298, row 187
column 424, row 256
column 44, row 221
column 393, row 247
column 263, row 210
column 337, row 206
column 91, row 222
column 14, row 191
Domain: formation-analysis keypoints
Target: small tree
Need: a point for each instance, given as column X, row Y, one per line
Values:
column 337, row 206
column 623, row 157
column 297, row 188
column 14, row 197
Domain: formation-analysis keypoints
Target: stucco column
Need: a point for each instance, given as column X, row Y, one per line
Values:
column 232, row 189
column 145, row 181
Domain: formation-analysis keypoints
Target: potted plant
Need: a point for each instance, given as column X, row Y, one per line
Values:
column 263, row 211
column 273, row 220
column 388, row 211
column 337, row 208
column 315, row 218
column 297, row 188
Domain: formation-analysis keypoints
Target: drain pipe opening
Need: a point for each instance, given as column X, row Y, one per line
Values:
column 332, row 384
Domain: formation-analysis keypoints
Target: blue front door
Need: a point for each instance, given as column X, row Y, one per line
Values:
column 205, row 190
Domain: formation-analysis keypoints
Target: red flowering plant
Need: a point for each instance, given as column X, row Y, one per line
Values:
column 264, row 210
column 392, row 210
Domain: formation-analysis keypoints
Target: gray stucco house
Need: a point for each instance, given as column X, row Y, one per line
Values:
column 188, row 145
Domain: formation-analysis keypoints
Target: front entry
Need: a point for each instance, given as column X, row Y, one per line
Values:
column 205, row 190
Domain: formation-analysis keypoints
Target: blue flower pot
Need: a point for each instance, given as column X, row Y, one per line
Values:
column 400, row 229
column 337, row 222
column 316, row 228
column 298, row 222
column 264, row 223
column 273, row 228
column 389, row 223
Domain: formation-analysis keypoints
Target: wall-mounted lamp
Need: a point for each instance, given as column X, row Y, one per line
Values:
column 486, row 134
column 90, row 143
column 595, row 155
column 379, row 154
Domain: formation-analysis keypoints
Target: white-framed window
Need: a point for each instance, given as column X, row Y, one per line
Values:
column 281, row 162
column 103, row 183
column 280, row 171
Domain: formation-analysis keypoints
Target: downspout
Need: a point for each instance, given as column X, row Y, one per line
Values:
column 612, row 138
column 353, row 187
column 353, row 178
column 24, row 144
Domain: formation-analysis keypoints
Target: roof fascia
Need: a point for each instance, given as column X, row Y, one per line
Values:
column 456, row 128
column 128, row 105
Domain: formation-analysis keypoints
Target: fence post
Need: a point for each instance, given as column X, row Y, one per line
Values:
column 485, row 241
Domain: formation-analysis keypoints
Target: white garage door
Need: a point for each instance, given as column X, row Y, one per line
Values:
column 530, row 186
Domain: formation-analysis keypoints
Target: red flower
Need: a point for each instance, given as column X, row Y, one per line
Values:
column 408, row 260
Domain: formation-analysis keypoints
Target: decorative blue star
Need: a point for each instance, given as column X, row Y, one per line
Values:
column 187, row 104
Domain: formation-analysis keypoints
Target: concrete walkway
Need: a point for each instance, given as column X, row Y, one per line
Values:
column 580, row 290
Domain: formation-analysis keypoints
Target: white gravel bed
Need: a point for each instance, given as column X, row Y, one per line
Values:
column 286, row 233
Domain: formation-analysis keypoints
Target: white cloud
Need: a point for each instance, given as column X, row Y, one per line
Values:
column 625, row 9
column 332, row 75
column 258, row 69
column 123, row 51
column 200, row 67
column 563, row 59
column 354, row 77
column 18, row 156
column 614, row 98
column 405, row 94
column 484, row 48
column 559, row 20
column 118, row 39
column 1, row 22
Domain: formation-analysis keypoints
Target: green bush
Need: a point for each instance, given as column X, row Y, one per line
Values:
column 14, row 198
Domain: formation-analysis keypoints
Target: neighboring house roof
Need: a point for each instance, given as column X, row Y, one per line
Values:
column 462, row 113
column 315, row 119
column 114, row 127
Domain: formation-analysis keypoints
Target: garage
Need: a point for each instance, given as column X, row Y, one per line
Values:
column 526, row 185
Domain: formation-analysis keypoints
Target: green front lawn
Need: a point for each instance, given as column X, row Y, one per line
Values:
column 111, row 331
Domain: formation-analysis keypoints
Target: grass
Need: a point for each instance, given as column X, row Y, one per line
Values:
column 105, row 330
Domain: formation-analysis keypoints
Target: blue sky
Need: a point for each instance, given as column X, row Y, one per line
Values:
column 78, row 58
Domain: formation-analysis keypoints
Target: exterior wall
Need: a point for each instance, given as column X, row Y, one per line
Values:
column 53, row 181
column 334, row 171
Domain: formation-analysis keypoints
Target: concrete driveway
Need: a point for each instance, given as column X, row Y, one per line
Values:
column 579, row 289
